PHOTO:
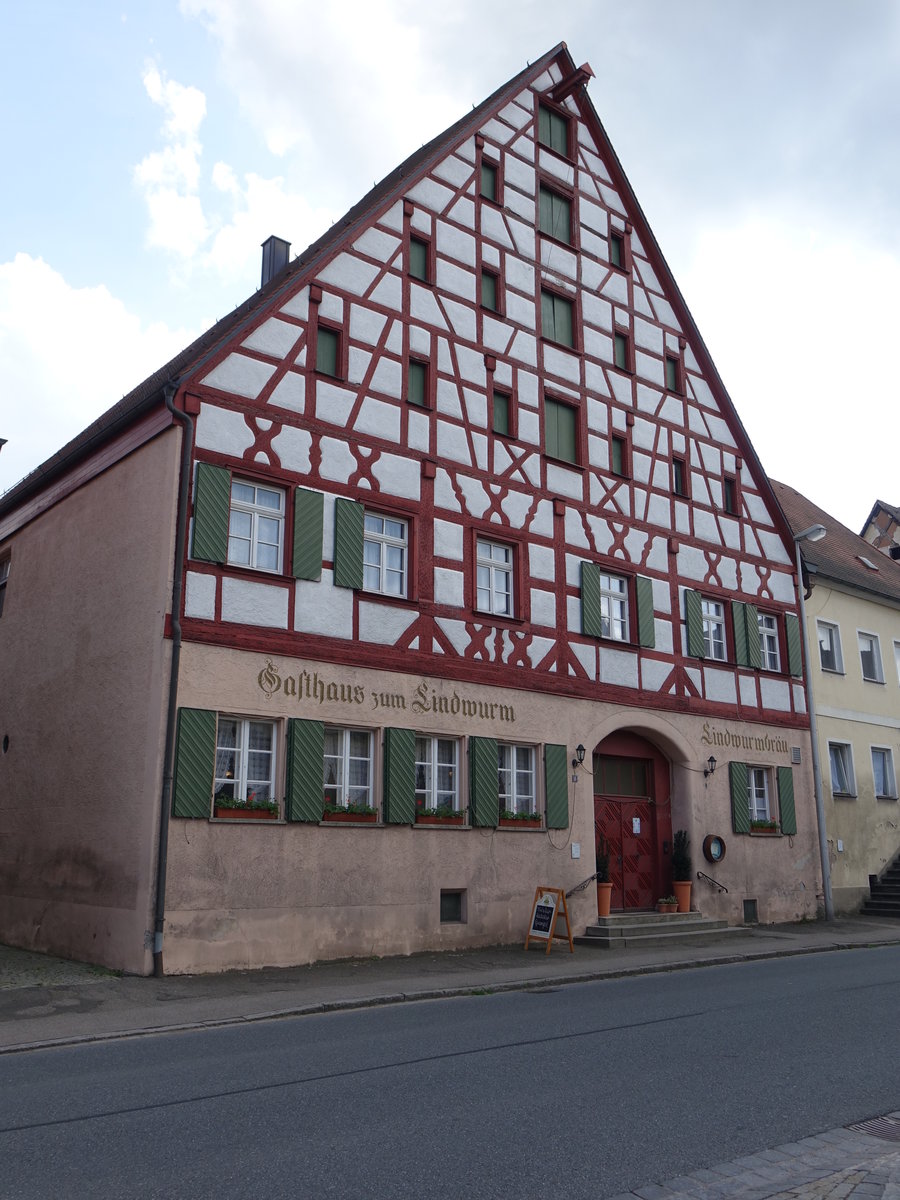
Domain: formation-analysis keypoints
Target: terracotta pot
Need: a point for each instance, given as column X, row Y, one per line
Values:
column 244, row 814
column 456, row 819
column 669, row 907
column 604, row 895
column 348, row 818
column 506, row 823
column 682, row 890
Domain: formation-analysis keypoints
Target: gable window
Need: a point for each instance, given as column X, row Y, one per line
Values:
column 418, row 259
column 501, row 413
column 490, row 290
column 713, row 614
column 515, row 780
column 348, row 770
column 560, row 437
column 385, row 549
column 622, row 351
column 555, row 215
column 759, row 794
column 436, row 774
column 417, row 383
column 553, row 130
column 557, row 318
column 494, row 578
column 870, row 657
column 729, row 495
column 768, row 642
column 618, row 455
column 328, row 351
column 4, row 579
column 489, row 188
column 255, row 526
column 672, row 372
column 245, row 760
column 829, row 647
column 840, row 757
column 614, row 621
column 617, row 250
column 883, row 773
column 679, row 477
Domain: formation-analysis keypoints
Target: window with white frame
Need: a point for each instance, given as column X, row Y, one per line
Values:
column 829, row 636
column 515, row 779
column 255, row 526
column 713, row 612
column 348, row 768
column 494, row 578
column 760, row 794
column 245, row 760
column 768, row 642
column 614, row 608
column 883, row 773
column 385, row 550
column 840, row 756
column 870, row 657
column 437, row 774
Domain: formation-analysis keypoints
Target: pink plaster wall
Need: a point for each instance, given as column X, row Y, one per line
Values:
column 83, row 679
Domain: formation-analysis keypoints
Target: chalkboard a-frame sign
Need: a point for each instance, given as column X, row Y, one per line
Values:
column 549, row 905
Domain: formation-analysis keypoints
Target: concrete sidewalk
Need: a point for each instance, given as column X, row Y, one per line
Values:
column 48, row 1001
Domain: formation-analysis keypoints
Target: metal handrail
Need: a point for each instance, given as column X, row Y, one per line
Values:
column 581, row 886
column 714, row 882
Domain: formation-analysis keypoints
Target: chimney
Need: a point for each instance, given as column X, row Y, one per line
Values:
column 276, row 252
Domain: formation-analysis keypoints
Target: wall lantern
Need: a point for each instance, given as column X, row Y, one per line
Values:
column 710, row 767
column 578, row 760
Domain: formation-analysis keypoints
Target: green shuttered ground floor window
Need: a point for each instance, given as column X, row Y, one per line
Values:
column 762, row 799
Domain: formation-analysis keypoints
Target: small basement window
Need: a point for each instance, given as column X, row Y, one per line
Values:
column 453, row 907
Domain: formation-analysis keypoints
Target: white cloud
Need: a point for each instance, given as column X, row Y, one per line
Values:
column 66, row 355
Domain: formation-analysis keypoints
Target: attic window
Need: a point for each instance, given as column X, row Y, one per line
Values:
column 867, row 562
column 553, row 130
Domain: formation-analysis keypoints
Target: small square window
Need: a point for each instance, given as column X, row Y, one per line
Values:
column 553, row 130
column 870, row 657
column 501, row 418
column 328, row 351
column 418, row 259
column 621, row 351
column 555, row 215
column 672, row 374
column 840, row 757
column 679, row 477
column 489, row 180
column 417, row 383
column 729, row 495
column 883, row 773
column 560, row 431
column 617, row 250
column 557, row 318
column 490, row 291
column 618, row 455
column 830, row 656
column 452, row 907
column 255, row 526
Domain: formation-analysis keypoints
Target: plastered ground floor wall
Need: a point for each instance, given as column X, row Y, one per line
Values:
column 244, row 894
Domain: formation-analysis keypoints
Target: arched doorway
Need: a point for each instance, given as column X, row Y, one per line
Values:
column 632, row 812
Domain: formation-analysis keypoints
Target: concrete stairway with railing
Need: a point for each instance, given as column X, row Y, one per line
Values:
column 634, row 930
column 884, row 898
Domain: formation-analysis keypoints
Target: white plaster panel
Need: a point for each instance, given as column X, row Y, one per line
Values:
column 430, row 194
column 519, row 275
column 337, row 461
column 490, row 255
column 575, row 535
column 455, row 632
column 693, row 673
column 524, row 349
column 597, row 416
column 775, row 693
column 518, row 174
column 444, row 493
column 543, row 607
column 394, row 342
column 682, row 518
column 621, row 386
column 663, row 632
column 756, row 508
column 382, row 623
column 635, row 541
column 727, row 571
column 671, row 410
column 387, row 292
column 358, row 362
column 366, row 325
column 542, row 521
column 573, row 614
column 516, row 505
column 749, row 579
column 452, row 443
column 297, row 306
column 593, row 246
column 497, row 132
column 660, row 474
column 666, row 313
column 559, row 264
column 392, row 217
column 502, row 459
column 719, row 685
column 731, row 532
column 541, row 562
column 321, row 608
column 648, row 368
column 240, row 375
column 527, row 390
column 378, row 245
column 691, row 563
column 398, row 476
column 647, row 335
column 456, row 244
column 659, row 512
column 696, row 422
column 539, row 648
column 523, row 235
column 594, row 163
column 720, row 430
column 247, row 602
column 564, row 482
column 657, row 560
column 292, row 446
column 222, row 430
column 747, row 689
column 640, row 466
column 200, row 596
column 516, row 115
column 522, row 206
column 782, row 587
column 773, row 547
column 480, row 446
column 333, row 403
column 521, row 311
column 387, row 377
column 601, row 532
column 453, row 170
column 705, row 527
column 642, row 303
column 495, row 335
column 424, row 307
column 463, row 212
column 466, row 150
column 419, row 340
column 290, row 392
column 594, row 378
column 598, row 452
column 476, row 408
column 456, row 280
column 471, row 365
column 702, row 392
column 448, row 587
column 596, row 312
column 273, row 337
column 494, row 228
column 616, row 287
column 445, row 360
column 448, row 540
column 751, row 543
column 618, row 667
column 654, row 674
column 461, row 318
column 448, row 399
column 799, row 697
column 474, row 495
column 592, row 216
column 350, row 274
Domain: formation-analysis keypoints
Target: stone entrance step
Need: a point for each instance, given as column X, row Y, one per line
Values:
column 634, row 930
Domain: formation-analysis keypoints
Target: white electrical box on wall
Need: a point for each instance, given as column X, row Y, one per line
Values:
column 576, row 849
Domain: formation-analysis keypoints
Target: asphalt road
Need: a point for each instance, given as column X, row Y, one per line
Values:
column 582, row 1091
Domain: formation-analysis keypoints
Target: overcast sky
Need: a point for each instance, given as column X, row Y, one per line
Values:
column 149, row 148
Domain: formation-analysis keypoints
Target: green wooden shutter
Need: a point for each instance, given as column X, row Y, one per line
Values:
column 195, row 763
column 349, row 519
column 643, row 592
column 212, row 503
column 556, row 786
column 399, row 776
column 693, row 619
column 484, row 798
column 754, row 650
column 739, row 621
column 739, row 779
column 591, row 619
column 305, row 770
column 795, row 654
column 786, row 809
column 309, row 511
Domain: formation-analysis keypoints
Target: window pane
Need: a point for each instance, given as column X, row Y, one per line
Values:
column 565, row 325
column 671, row 374
column 616, row 456
column 489, row 290
column 418, row 377
column 678, row 477
column 621, row 351
column 501, row 413
column 488, row 181
column 418, row 259
column 327, row 351
column 616, row 250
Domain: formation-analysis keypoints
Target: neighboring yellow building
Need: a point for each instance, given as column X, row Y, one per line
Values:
column 853, row 621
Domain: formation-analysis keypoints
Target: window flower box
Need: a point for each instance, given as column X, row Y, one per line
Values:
column 514, row 820
column 767, row 827
column 438, row 817
column 244, row 812
column 349, row 815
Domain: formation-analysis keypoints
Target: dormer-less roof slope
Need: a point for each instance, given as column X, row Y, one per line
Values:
column 840, row 556
column 312, row 260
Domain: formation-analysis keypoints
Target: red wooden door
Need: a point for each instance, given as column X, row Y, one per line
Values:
column 627, row 825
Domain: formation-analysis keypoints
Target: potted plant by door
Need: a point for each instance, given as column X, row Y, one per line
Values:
column 682, row 870
column 667, row 904
column 604, row 887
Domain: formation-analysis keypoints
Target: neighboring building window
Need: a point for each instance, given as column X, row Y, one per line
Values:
column 515, row 779
column 760, row 794
column 840, row 756
column 679, row 477
column 255, row 526
column 618, row 455
column 328, row 351
column 501, row 417
column 729, row 495
column 557, row 318
column 245, row 760
column 555, row 215
column 829, row 646
column 418, row 259
column 553, row 130
column 870, row 657
column 490, row 291
column 348, row 767
column 384, row 555
column 672, row 374
column 621, row 351
column 4, row 579
column 617, row 250
column 560, row 439
column 489, row 180
column 437, row 774
column 494, row 578
column 768, row 642
column 883, row 772
column 896, row 646
column 614, row 608
column 713, row 612
column 417, row 383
